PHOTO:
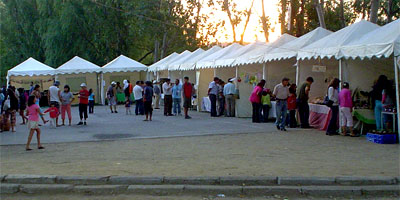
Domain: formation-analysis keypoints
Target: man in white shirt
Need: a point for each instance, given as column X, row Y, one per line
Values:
column 54, row 97
column 213, row 90
column 281, row 93
column 167, row 90
column 138, row 93
column 229, row 93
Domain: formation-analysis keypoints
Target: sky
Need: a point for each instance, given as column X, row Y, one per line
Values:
column 254, row 28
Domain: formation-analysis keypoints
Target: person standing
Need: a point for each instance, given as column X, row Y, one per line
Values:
column 22, row 105
column 376, row 96
column 148, row 98
column 292, row 105
column 157, row 94
column 138, row 93
column 213, row 91
column 91, row 101
column 66, row 99
column 187, row 96
column 333, row 96
column 54, row 97
column 112, row 97
column 177, row 97
column 255, row 99
column 303, row 96
column 31, row 88
column 127, row 92
column 281, row 93
column 38, row 95
column 167, row 89
column 266, row 104
column 221, row 98
column 83, row 104
column 346, row 108
column 229, row 93
column 53, row 111
column 33, row 113
column 11, row 111
column 2, row 98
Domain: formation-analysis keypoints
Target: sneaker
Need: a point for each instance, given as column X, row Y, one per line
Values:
column 283, row 129
column 84, row 123
column 112, row 111
column 277, row 127
column 116, row 111
column 80, row 123
column 188, row 117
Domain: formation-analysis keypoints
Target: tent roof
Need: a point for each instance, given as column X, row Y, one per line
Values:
column 175, row 65
column 289, row 50
column 383, row 41
column 77, row 65
column 329, row 46
column 164, row 66
column 228, row 59
column 190, row 64
column 31, row 67
column 123, row 64
column 209, row 61
column 256, row 55
column 154, row 67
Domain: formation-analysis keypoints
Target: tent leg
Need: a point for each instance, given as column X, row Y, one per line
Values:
column 340, row 72
column 102, row 89
column 297, row 73
column 215, row 72
column 396, row 75
column 264, row 72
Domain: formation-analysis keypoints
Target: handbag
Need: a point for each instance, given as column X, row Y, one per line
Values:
column 7, row 104
column 327, row 101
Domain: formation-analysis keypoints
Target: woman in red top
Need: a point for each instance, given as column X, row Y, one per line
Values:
column 83, row 104
column 291, row 101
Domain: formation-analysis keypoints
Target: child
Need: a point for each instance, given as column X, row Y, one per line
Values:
column 33, row 112
column 291, row 101
column 53, row 115
column 91, row 101
column 346, row 107
column 22, row 105
column 128, row 106
column 266, row 104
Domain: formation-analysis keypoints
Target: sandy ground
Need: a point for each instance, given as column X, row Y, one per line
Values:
column 294, row 153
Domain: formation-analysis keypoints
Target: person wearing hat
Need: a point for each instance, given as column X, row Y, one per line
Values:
column 346, row 108
column 112, row 97
column 281, row 93
column 54, row 97
column 229, row 93
column 157, row 94
column 83, row 104
column 333, row 96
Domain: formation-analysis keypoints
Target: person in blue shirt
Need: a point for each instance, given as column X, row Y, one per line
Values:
column 177, row 97
column 229, row 93
column 91, row 101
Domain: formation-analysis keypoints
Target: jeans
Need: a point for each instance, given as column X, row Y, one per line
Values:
column 332, row 127
column 230, row 105
column 91, row 106
column 378, row 111
column 83, row 111
column 256, row 112
column 177, row 105
column 139, row 109
column 213, row 100
column 265, row 113
column 281, row 113
column 221, row 109
column 304, row 112
column 167, row 104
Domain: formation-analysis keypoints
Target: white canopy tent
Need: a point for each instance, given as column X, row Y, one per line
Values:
column 154, row 67
column 190, row 64
column 174, row 67
column 209, row 61
column 21, row 75
column 228, row 59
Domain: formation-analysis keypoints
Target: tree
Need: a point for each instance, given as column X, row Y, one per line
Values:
column 265, row 22
column 282, row 15
column 320, row 12
column 373, row 14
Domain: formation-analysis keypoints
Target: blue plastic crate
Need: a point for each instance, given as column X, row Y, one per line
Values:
column 382, row 139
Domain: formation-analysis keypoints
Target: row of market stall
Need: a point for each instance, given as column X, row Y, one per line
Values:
column 77, row 71
column 357, row 54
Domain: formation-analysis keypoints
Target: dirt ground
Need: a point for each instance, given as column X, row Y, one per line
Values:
column 294, row 153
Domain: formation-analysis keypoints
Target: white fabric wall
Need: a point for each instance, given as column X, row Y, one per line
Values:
column 191, row 74
column 206, row 76
column 243, row 105
column 226, row 73
column 276, row 70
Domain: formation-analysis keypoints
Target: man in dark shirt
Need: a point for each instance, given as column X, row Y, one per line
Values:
column 304, row 110
column 148, row 98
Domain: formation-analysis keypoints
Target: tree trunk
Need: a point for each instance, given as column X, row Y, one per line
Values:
column 228, row 11
column 164, row 46
column 155, row 52
column 293, row 15
column 373, row 15
column 248, row 11
column 389, row 11
column 320, row 13
column 264, row 21
column 342, row 20
column 283, row 16
column 300, row 19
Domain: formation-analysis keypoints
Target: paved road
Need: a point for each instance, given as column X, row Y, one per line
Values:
column 104, row 126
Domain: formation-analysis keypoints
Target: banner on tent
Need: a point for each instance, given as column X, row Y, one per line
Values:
column 318, row 68
column 34, row 82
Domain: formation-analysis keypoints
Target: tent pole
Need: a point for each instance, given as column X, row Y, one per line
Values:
column 102, row 89
column 340, row 72
column 264, row 72
column 297, row 73
column 215, row 72
column 396, row 75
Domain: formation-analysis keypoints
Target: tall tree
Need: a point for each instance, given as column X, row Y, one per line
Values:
column 265, row 22
column 320, row 12
column 247, row 13
column 373, row 14
column 282, row 15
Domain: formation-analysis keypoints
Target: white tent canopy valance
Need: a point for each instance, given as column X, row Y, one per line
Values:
column 175, row 65
column 78, row 65
column 209, row 61
column 164, row 66
column 155, row 67
column 31, row 67
column 190, row 64
column 123, row 64
column 228, row 59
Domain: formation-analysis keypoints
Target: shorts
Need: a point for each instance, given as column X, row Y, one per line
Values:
column 112, row 101
column 56, row 104
column 187, row 102
column 147, row 107
column 33, row 124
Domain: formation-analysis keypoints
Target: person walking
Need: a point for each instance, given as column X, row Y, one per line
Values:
column 255, row 99
column 54, row 112
column 148, row 98
column 346, row 108
column 187, row 96
column 38, row 95
column 33, row 112
column 54, row 97
column 22, row 105
column 83, row 104
column 221, row 98
column 333, row 96
column 177, row 97
column 229, row 93
column 112, row 97
column 292, row 106
column 302, row 102
column 138, row 93
column 66, row 99
column 167, row 89
column 213, row 91
column 91, row 101
column 157, row 94
column 281, row 93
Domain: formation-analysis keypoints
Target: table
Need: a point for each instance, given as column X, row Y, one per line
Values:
column 364, row 116
column 206, row 104
column 393, row 116
column 319, row 116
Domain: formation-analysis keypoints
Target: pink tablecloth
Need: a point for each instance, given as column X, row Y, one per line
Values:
column 319, row 116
